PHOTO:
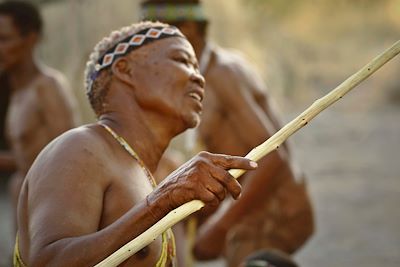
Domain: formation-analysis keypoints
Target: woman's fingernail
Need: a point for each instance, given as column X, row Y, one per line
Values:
column 253, row 164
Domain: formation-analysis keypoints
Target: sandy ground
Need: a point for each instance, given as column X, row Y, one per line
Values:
column 353, row 167
column 354, row 175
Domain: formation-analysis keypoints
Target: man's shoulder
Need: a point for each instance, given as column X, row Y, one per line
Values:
column 51, row 79
column 229, row 57
column 49, row 75
column 228, row 62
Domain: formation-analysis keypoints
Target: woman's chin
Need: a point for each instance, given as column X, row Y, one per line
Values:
column 193, row 121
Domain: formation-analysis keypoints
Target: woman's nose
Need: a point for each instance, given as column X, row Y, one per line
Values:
column 198, row 78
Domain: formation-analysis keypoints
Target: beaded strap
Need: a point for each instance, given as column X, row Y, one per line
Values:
column 131, row 152
column 168, row 242
column 17, row 260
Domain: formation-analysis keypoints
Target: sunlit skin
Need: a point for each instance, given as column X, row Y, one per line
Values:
column 237, row 116
column 40, row 106
column 155, row 93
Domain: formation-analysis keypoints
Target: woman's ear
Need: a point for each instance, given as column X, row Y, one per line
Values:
column 122, row 70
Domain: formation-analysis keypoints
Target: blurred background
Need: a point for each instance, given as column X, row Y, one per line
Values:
column 303, row 49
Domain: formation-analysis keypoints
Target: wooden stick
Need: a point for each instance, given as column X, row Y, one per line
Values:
column 257, row 153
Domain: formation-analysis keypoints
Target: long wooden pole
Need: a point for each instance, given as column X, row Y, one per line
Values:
column 257, row 153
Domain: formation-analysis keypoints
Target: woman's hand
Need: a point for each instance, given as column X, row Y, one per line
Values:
column 205, row 177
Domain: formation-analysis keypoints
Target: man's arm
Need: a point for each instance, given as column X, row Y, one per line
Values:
column 242, row 97
column 255, row 84
column 259, row 91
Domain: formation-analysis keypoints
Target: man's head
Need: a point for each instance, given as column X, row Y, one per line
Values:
column 20, row 29
column 152, row 61
column 187, row 15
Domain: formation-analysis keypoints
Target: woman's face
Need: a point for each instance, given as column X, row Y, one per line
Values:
column 171, row 84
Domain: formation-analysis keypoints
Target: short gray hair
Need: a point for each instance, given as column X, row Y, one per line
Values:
column 97, row 87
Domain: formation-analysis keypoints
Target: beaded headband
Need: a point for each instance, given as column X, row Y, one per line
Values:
column 134, row 41
column 130, row 43
column 172, row 12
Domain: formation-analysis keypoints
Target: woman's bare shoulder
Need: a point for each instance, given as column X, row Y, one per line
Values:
column 77, row 150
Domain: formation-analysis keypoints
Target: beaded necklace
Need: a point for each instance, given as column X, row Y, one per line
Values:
column 131, row 152
column 167, row 250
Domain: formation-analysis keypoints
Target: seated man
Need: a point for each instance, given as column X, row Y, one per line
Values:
column 91, row 191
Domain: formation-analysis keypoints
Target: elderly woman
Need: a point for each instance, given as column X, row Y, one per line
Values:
column 91, row 191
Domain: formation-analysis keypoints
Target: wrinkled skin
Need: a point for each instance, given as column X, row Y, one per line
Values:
column 105, row 195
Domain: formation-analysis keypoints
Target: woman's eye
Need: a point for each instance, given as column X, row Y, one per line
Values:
column 182, row 60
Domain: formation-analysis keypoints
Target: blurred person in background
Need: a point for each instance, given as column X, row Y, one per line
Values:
column 40, row 104
column 274, row 211
column 7, row 163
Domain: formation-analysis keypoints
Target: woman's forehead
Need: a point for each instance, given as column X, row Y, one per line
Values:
column 167, row 46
